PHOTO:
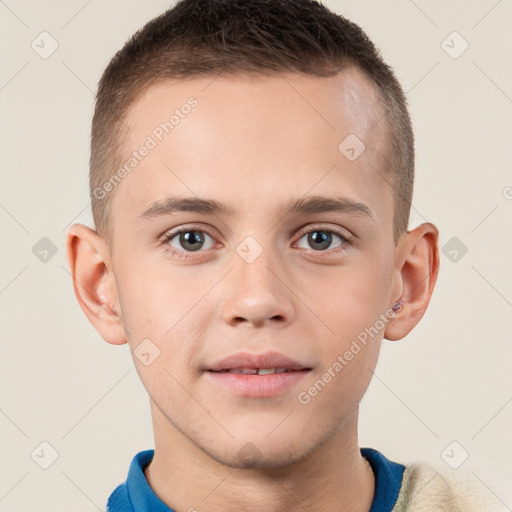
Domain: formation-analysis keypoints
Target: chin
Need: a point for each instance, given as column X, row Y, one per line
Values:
column 250, row 456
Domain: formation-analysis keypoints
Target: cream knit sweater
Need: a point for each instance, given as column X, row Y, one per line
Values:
column 427, row 489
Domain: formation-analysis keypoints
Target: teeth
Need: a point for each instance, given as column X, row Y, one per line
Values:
column 245, row 371
column 258, row 371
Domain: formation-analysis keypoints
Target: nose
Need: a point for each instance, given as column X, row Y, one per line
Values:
column 256, row 294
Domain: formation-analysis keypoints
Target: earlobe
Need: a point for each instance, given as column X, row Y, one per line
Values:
column 93, row 282
column 416, row 273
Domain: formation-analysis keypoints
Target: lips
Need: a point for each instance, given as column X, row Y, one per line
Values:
column 257, row 364
column 260, row 376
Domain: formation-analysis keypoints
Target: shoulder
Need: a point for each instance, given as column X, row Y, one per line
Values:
column 426, row 488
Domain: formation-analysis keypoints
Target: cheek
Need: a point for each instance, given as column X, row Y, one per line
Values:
column 155, row 297
column 351, row 298
column 165, row 306
column 353, row 303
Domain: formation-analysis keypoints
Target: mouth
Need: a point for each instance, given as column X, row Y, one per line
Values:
column 257, row 382
column 263, row 375
column 260, row 371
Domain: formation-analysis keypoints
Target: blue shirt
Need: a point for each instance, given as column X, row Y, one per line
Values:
column 136, row 495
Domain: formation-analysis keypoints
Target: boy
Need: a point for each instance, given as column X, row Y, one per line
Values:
column 254, row 130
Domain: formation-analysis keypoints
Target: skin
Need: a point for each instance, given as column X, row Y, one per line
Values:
column 254, row 144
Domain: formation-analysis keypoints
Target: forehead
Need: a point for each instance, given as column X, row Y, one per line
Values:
column 234, row 138
column 347, row 100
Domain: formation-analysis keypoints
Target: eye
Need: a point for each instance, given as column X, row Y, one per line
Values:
column 189, row 240
column 322, row 239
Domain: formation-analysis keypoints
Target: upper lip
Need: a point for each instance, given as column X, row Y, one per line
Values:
column 265, row 360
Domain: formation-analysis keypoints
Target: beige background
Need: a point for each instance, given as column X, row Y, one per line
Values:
column 60, row 383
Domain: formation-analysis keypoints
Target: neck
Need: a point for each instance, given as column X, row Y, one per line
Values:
column 335, row 476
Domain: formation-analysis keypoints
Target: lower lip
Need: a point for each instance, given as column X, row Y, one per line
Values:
column 257, row 386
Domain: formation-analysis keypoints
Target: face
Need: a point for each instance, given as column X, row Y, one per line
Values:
column 247, row 227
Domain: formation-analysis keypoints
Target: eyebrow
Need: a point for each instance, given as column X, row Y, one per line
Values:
column 321, row 204
column 172, row 205
column 310, row 204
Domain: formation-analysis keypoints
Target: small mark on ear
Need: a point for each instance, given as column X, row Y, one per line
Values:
column 397, row 306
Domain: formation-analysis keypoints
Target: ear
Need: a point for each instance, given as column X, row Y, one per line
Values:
column 94, row 282
column 416, row 270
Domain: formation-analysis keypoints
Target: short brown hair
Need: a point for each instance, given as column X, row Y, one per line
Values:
column 207, row 37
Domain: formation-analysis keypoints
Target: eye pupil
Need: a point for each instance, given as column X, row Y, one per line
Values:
column 191, row 240
column 323, row 238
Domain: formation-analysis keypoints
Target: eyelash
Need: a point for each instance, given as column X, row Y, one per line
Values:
column 183, row 254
